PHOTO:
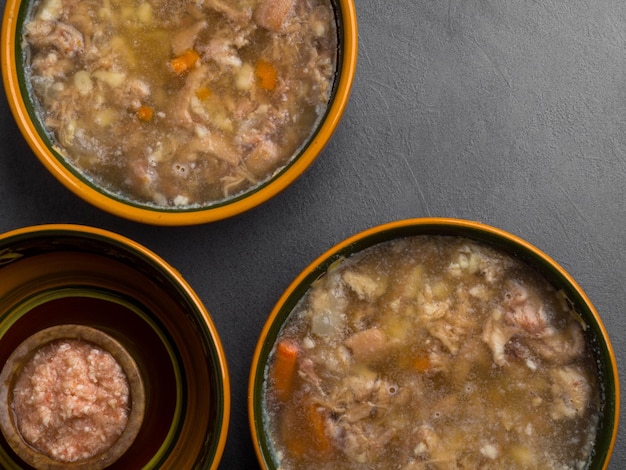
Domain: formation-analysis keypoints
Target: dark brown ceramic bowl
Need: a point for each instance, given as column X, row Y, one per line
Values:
column 64, row 274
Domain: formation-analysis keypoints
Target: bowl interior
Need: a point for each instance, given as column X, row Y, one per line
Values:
column 595, row 334
column 59, row 275
column 24, row 108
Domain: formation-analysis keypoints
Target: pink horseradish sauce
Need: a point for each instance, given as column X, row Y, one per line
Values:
column 71, row 400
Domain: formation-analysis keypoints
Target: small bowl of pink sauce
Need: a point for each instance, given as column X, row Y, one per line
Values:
column 110, row 360
column 71, row 397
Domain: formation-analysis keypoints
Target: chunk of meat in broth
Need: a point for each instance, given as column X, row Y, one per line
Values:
column 80, row 16
column 571, row 393
column 365, row 286
column 132, row 93
column 497, row 334
column 63, row 37
column 452, row 327
column 432, row 450
column 360, row 442
column 560, row 347
column 51, row 65
column 522, row 314
column 214, row 144
column 186, row 39
column 360, row 407
column 273, row 14
column 222, row 51
column 525, row 309
column 238, row 12
column 182, row 111
column 369, row 345
column 263, row 158
column 524, row 331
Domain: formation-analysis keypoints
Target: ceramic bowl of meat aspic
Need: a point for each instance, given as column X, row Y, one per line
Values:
column 110, row 360
column 433, row 343
column 173, row 113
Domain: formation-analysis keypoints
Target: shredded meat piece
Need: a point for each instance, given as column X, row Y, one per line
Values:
column 264, row 156
column 571, row 392
column 496, row 335
column 272, row 14
column 560, row 347
column 51, row 65
column 235, row 13
column 222, row 51
column 359, row 406
column 364, row 286
column 63, row 37
column 368, row 345
column 526, row 312
column 186, row 39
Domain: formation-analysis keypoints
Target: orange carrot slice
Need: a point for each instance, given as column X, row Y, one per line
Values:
column 284, row 369
column 203, row 93
column 319, row 439
column 266, row 74
column 145, row 113
column 421, row 363
column 304, row 432
column 185, row 61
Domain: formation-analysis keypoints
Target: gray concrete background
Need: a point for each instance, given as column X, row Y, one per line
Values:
column 512, row 113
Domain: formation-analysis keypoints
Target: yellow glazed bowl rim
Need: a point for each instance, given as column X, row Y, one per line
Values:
column 18, row 102
column 472, row 230
column 17, row 245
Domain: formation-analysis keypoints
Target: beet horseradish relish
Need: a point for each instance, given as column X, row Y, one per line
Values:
column 431, row 352
column 71, row 395
column 180, row 103
column 71, row 400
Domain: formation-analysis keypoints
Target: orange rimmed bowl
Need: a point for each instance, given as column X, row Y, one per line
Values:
column 23, row 106
column 595, row 333
column 57, row 275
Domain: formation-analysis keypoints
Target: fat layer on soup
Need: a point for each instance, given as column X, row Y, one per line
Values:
column 181, row 102
column 431, row 353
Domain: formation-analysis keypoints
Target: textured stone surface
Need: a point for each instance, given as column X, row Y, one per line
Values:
column 510, row 113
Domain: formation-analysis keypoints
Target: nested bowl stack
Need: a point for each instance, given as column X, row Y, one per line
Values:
column 68, row 281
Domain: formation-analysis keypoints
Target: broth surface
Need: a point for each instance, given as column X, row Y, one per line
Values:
column 181, row 103
column 431, row 353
